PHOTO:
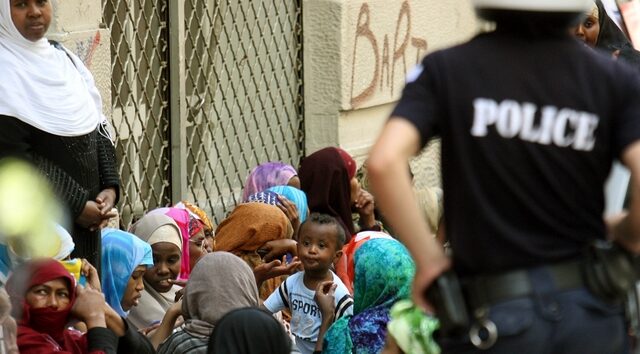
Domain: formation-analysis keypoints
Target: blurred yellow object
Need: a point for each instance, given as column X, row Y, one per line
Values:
column 29, row 211
column 74, row 266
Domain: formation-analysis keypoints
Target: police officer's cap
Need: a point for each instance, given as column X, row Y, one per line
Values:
column 561, row 12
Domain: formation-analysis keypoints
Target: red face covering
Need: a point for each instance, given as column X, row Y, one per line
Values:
column 44, row 320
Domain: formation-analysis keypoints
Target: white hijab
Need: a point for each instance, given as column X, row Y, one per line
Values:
column 41, row 86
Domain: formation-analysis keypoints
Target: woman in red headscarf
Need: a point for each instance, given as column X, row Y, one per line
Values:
column 44, row 299
column 328, row 177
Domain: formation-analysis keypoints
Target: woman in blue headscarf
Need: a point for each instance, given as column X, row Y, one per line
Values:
column 125, row 258
column 296, row 196
column 291, row 200
column 383, row 274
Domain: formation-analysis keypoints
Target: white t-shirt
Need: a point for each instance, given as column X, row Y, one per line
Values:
column 305, row 313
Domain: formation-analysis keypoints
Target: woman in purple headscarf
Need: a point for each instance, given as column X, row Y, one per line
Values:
column 267, row 175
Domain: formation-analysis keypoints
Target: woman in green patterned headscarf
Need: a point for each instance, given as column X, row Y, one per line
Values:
column 383, row 274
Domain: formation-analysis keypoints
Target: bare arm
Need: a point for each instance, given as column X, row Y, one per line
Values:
column 167, row 325
column 627, row 231
column 391, row 347
column 114, row 321
column 391, row 183
column 325, row 298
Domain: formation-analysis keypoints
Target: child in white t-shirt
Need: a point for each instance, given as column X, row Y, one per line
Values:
column 320, row 241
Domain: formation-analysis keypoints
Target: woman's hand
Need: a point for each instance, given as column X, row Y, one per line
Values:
column 275, row 268
column 106, row 200
column 325, row 298
column 89, row 307
column 426, row 273
column 174, row 310
column 91, row 215
column 277, row 248
column 390, row 346
column 291, row 211
column 147, row 330
column 179, row 293
column 90, row 272
column 365, row 206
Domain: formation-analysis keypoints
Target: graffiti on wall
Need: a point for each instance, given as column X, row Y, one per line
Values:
column 85, row 49
column 392, row 56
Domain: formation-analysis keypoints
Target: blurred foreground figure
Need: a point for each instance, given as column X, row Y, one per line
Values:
column 530, row 121
column 29, row 217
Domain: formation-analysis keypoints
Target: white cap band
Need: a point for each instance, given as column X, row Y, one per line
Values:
column 536, row 5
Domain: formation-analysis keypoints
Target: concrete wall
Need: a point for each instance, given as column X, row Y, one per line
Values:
column 357, row 54
column 77, row 24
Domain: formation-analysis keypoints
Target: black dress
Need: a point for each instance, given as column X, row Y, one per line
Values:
column 77, row 167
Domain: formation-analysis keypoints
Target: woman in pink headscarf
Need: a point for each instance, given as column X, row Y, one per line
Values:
column 194, row 241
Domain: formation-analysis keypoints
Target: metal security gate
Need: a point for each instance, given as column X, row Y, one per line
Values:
column 202, row 91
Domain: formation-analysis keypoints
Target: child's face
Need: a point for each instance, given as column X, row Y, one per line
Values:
column 317, row 249
column 31, row 17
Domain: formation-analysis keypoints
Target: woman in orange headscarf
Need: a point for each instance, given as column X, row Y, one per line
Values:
column 248, row 231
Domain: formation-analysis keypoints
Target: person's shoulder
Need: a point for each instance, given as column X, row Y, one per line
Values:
column 479, row 40
column 295, row 278
column 31, row 341
column 182, row 342
column 612, row 69
column 477, row 45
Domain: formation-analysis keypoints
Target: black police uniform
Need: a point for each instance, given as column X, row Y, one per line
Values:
column 529, row 130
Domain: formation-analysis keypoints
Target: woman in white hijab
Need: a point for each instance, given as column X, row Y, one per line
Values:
column 163, row 234
column 51, row 115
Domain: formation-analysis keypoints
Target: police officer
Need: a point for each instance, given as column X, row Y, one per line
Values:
column 530, row 121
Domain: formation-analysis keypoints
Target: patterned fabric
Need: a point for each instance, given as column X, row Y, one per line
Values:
column 182, row 342
column 345, row 268
column 108, row 166
column 267, row 175
column 298, row 197
column 198, row 213
column 384, row 271
column 122, row 252
column 265, row 197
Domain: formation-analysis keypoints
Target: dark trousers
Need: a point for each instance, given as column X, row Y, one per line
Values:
column 552, row 322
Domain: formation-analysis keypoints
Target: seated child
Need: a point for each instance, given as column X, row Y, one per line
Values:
column 320, row 242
